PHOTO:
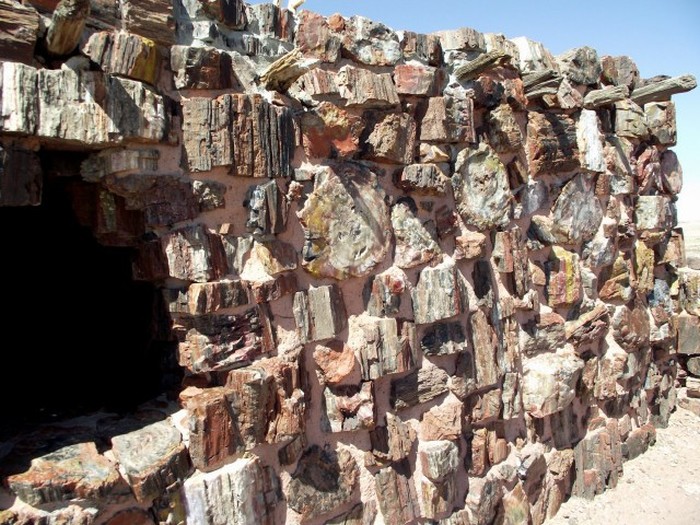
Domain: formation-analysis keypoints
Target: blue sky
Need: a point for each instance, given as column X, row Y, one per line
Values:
column 662, row 37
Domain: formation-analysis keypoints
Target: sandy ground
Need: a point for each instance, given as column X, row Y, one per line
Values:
column 691, row 233
column 661, row 487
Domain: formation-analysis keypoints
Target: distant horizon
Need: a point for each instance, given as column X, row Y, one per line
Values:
column 662, row 40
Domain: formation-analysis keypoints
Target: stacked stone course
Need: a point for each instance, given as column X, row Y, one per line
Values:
column 413, row 278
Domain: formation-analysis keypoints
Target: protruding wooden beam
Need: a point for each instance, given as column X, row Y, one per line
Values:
column 663, row 89
column 604, row 97
column 67, row 24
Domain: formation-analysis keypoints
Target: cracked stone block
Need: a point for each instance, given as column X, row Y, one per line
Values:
column 383, row 345
column 549, row 382
column 319, row 313
column 243, row 133
column 348, row 408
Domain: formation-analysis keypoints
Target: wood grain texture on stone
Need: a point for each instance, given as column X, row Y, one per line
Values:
column 19, row 29
column 551, row 142
column 319, row 313
column 366, row 89
column 71, row 472
column 234, row 494
column 663, row 89
column 152, row 19
column 66, row 27
column 153, row 458
column 230, row 131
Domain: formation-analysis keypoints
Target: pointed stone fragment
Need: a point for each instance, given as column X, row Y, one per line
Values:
column 534, row 56
column 590, row 141
column 237, row 493
column 481, row 188
column 153, row 458
column 414, row 244
column 440, row 293
column 323, row 480
column 485, row 345
column 384, row 346
column 346, row 223
column 319, row 313
column 267, row 210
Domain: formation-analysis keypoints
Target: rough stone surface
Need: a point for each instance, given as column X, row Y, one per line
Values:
column 219, row 342
column 232, row 131
column 202, row 68
column 234, row 494
column 552, row 144
column 481, row 188
column 348, row 408
column 19, row 28
column 319, row 313
column 577, row 212
column 331, row 132
column 153, row 458
column 71, row 472
column 549, row 382
column 439, row 294
column 427, row 179
column 564, row 278
column 391, row 139
column 414, row 244
column 371, row 43
column 124, row 55
column 360, row 87
column 323, row 480
column 385, row 292
column 418, row 387
column 347, row 204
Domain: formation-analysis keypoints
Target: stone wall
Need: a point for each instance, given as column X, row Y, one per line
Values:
column 413, row 278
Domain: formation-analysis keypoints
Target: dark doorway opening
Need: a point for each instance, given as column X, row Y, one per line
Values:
column 78, row 330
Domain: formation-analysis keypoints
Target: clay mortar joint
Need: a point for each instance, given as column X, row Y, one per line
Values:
column 67, row 24
column 663, row 89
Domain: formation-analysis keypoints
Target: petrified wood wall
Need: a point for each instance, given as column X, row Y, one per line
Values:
column 413, row 278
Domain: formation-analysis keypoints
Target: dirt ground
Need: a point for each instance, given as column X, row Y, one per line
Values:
column 660, row 487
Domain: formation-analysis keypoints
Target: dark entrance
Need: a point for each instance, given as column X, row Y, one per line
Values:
column 78, row 332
